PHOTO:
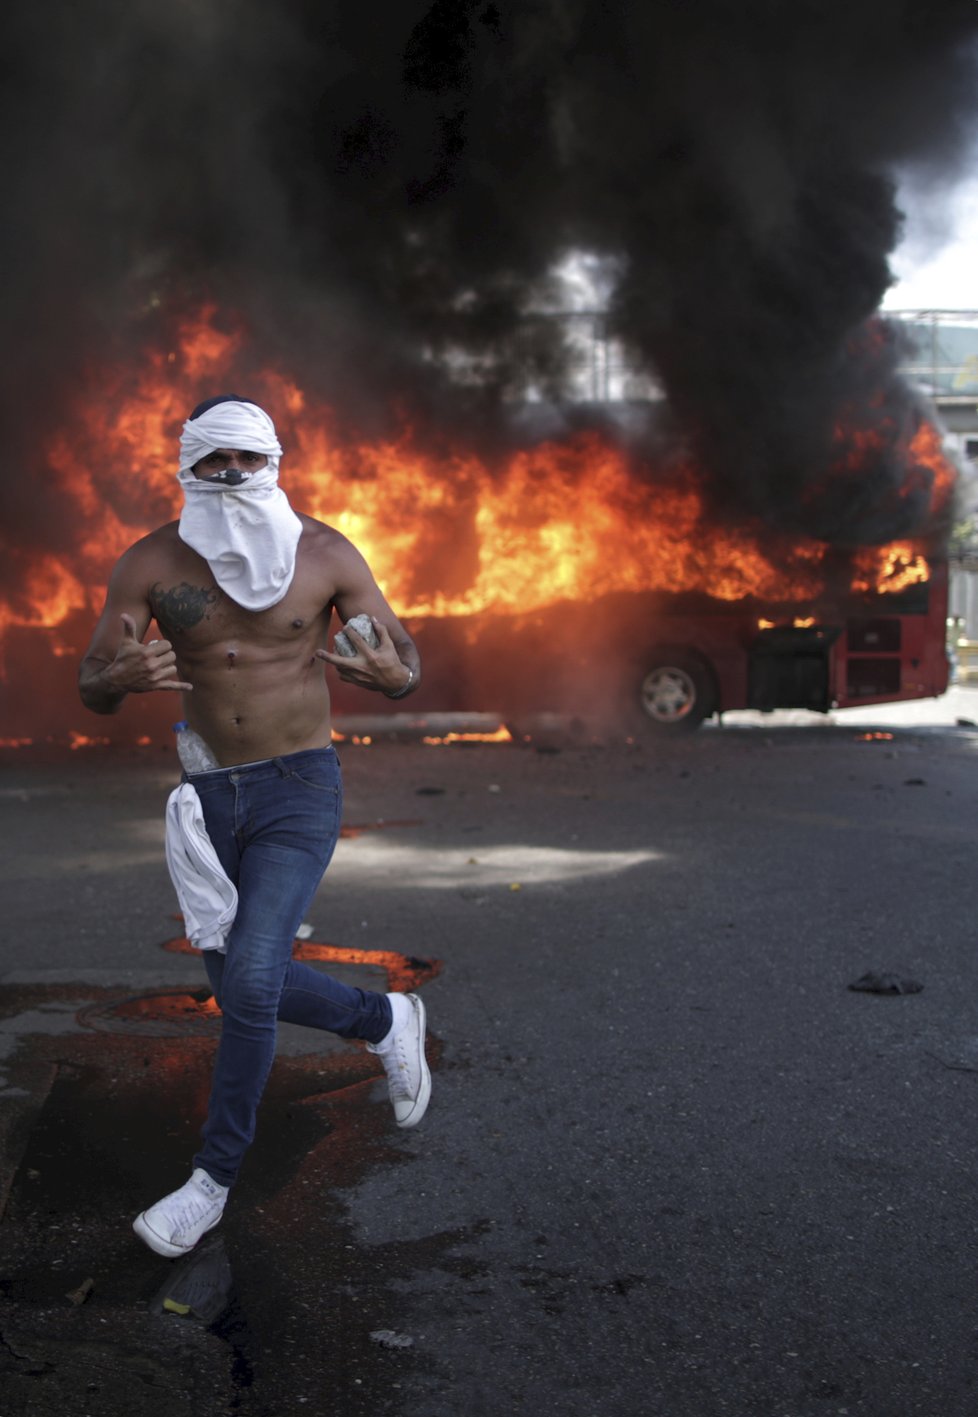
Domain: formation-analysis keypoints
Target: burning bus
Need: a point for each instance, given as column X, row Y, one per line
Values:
column 662, row 662
column 564, row 575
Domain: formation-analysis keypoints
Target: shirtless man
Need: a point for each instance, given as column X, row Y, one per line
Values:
column 242, row 591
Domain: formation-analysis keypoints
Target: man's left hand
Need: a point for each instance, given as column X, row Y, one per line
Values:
column 379, row 668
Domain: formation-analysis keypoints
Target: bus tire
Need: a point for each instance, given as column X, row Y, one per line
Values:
column 676, row 692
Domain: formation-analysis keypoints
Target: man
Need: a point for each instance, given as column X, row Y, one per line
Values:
column 242, row 590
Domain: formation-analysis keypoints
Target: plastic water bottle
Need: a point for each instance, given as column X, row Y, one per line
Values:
column 193, row 752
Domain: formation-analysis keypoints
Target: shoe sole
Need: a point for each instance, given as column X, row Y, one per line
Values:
column 424, row 1095
column 166, row 1247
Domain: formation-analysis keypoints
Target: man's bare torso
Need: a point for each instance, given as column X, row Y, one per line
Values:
column 253, row 682
column 258, row 689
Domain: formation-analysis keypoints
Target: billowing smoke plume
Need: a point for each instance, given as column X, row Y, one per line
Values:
column 379, row 191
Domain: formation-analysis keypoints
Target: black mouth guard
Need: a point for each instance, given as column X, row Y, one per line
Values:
column 230, row 476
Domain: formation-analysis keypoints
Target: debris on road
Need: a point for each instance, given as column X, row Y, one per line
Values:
column 201, row 1287
column 387, row 1338
column 871, row 983
column 79, row 1295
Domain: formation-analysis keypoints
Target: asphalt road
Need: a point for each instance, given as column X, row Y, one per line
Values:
column 673, row 1164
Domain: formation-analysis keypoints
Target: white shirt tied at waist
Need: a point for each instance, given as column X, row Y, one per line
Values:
column 208, row 899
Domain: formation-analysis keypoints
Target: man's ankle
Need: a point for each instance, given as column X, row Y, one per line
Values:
column 401, row 1012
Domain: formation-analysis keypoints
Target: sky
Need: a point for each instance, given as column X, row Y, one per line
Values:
column 936, row 265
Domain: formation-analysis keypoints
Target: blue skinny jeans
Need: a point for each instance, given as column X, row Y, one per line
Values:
column 274, row 826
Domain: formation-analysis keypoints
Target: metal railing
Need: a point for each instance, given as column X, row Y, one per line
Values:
column 944, row 359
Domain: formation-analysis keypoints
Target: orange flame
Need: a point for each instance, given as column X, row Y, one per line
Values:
column 501, row 735
column 889, row 568
column 82, row 740
column 446, row 535
column 51, row 592
column 926, row 448
column 857, row 447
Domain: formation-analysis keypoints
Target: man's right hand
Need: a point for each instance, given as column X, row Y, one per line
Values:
column 139, row 668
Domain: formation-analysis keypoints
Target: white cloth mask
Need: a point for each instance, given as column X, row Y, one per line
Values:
column 248, row 534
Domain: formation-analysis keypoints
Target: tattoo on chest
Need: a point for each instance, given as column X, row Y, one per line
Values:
column 182, row 606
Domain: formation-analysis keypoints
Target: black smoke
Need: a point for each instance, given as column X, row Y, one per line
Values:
column 381, row 193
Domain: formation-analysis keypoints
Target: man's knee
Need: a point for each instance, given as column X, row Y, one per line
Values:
column 251, row 995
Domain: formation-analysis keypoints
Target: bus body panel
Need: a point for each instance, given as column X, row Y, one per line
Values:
column 592, row 660
column 885, row 658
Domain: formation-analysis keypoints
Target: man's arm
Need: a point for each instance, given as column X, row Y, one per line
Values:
column 394, row 667
column 116, row 663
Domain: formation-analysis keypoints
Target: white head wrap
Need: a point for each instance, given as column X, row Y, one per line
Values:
column 247, row 534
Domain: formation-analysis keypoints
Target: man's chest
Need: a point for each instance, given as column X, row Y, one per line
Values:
column 190, row 607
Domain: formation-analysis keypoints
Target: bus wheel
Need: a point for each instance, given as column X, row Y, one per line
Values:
column 677, row 694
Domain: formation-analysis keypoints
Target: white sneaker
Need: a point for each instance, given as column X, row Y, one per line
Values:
column 402, row 1054
column 173, row 1225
